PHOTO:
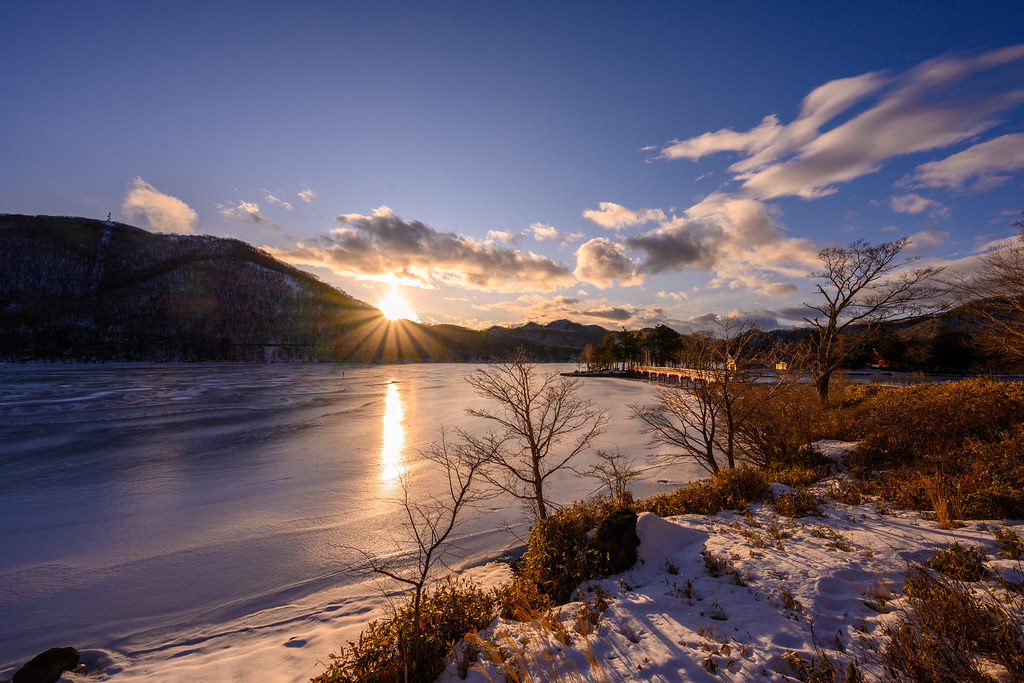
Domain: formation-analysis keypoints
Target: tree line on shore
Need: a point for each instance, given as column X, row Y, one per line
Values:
column 872, row 309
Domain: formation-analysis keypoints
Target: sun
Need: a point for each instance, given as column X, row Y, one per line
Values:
column 394, row 306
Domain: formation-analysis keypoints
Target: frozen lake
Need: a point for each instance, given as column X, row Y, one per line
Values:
column 150, row 509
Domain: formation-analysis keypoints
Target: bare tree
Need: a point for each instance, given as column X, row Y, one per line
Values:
column 744, row 381
column 994, row 294
column 685, row 420
column 542, row 423
column 862, row 286
column 615, row 471
column 429, row 521
column 702, row 417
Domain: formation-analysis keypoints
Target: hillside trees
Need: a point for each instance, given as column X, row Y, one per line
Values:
column 661, row 345
column 862, row 285
column 541, row 424
column 994, row 294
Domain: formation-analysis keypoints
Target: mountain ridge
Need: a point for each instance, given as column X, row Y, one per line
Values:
column 75, row 288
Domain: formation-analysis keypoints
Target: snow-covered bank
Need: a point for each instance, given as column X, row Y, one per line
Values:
column 740, row 597
column 278, row 644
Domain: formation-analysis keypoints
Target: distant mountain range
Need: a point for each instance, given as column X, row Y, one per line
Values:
column 83, row 289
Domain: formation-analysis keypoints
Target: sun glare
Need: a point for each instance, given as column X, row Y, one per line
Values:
column 394, row 306
column 393, row 436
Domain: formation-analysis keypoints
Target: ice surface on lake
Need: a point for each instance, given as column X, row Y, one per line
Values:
column 144, row 506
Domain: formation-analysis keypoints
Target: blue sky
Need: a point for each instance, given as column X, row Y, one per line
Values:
column 617, row 163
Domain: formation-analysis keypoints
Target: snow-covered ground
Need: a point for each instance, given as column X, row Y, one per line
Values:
column 783, row 587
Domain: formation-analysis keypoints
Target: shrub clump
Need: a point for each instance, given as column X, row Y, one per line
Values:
column 731, row 489
column 930, row 421
column 1009, row 542
column 947, row 634
column 804, row 467
column 959, row 440
column 558, row 556
column 960, row 563
column 778, row 423
column 798, row 504
column 390, row 649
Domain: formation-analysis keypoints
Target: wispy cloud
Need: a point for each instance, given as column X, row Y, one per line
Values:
column 162, row 212
column 982, row 166
column 915, row 203
column 939, row 103
column 243, row 212
column 277, row 201
column 307, row 195
column 539, row 232
column 384, row 246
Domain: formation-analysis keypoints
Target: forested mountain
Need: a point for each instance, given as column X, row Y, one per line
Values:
column 76, row 288
column 84, row 289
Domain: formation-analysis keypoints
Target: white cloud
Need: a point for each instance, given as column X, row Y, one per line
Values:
column 927, row 239
column 938, row 103
column 725, row 140
column 384, row 246
column 602, row 263
column 162, row 212
column 983, row 164
column 817, row 109
column 502, row 236
column 543, row 233
column 615, row 216
column 728, row 234
column 915, row 203
column 307, row 196
column 777, row 289
column 243, row 212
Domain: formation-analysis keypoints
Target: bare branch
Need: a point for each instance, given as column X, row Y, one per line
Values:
column 994, row 296
column 429, row 520
column 541, row 422
column 863, row 285
column 701, row 421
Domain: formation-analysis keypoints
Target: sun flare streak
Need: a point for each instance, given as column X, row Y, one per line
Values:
column 392, row 464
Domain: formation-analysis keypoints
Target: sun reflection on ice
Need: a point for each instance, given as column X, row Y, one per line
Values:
column 393, row 436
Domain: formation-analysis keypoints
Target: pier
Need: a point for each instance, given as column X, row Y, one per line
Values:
column 669, row 375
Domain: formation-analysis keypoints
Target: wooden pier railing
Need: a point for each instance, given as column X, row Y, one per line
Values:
column 678, row 375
